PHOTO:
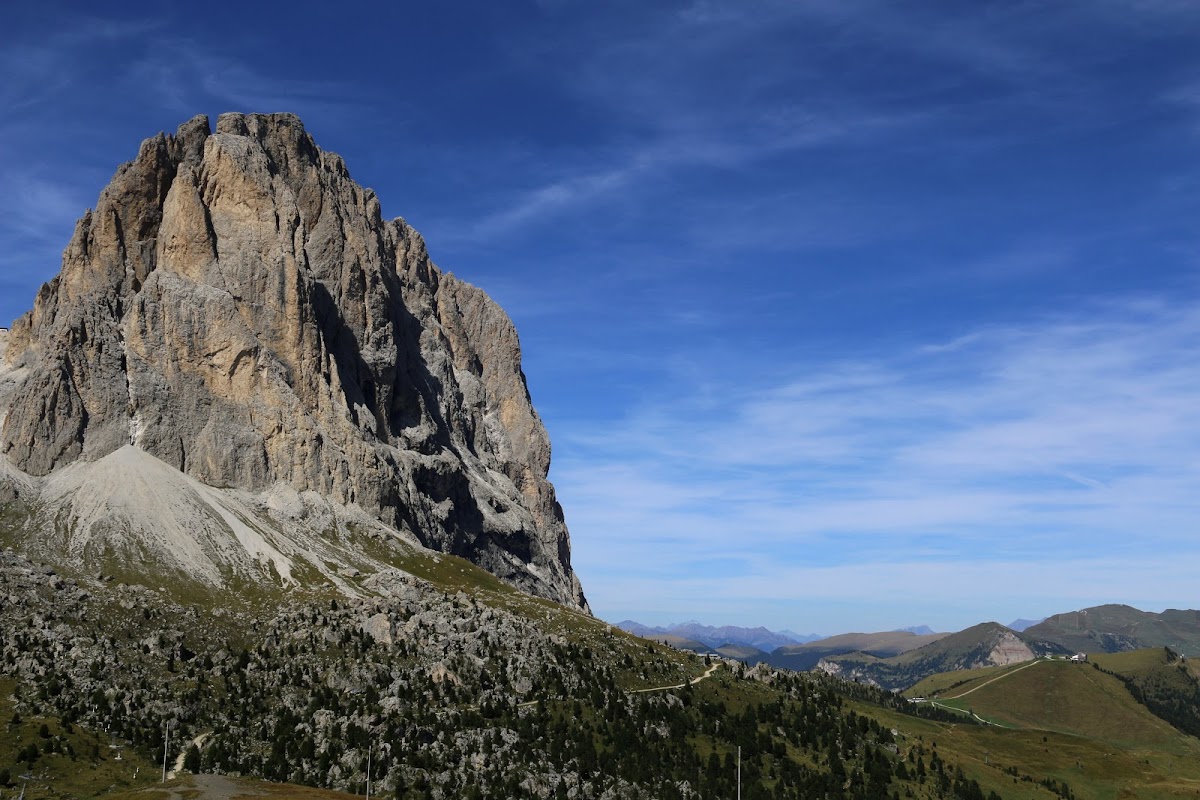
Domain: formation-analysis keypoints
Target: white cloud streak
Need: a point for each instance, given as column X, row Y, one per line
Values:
column 669, row 113
column 185, row 75
column 705, row 146
column 1012, row 446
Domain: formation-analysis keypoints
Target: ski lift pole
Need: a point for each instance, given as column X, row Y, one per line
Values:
column 166, row 746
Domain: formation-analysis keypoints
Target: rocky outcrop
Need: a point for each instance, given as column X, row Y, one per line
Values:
column 236, row 307
column 1009, row 649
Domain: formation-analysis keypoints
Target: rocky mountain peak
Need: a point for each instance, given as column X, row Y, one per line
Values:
column 236, row 307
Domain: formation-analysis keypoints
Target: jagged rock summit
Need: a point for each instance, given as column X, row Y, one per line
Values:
column 237, row 331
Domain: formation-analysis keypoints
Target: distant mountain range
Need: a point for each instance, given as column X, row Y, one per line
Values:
column 802, row 637
column 760, row 639
column 1020, row 625
column 898, row 659
column 877, row 645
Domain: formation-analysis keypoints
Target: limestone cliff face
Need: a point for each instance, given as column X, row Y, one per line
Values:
column 1010, row 649
column 236, row 307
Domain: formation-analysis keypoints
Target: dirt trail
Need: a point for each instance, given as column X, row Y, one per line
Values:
column 199, row 742
column 976, row 688
column 993, row 680
column 692, row 682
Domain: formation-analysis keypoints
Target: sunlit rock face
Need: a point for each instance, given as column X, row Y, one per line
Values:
column 236, row 307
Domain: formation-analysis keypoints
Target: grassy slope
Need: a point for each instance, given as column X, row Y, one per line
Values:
column 1092, row 768
column 1068, row 698
column 1165, row 683
column 983, row 753
column 1145, row 662
column 742, row 653
column 680, row 642
column 1130, row 662
column 1070, row 722
column 944, row 682
column 951, row 647
column 93, row 768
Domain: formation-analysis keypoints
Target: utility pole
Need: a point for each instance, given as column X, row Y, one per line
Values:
column 370, row 747
column 739, row 797
column 166, row 747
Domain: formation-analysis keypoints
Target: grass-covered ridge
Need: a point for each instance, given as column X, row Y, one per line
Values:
column 1071, row 722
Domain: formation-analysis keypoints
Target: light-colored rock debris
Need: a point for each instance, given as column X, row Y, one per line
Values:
column 1010, row 649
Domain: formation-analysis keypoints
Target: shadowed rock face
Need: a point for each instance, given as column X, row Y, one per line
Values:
column 236, row 307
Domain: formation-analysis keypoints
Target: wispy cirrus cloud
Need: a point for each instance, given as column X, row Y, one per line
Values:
column 38, row 70
column 616, row 176
column 1071, row 436
column 667, row 109
column 183, row 75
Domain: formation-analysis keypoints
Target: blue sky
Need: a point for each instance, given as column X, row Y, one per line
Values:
column 841, row 315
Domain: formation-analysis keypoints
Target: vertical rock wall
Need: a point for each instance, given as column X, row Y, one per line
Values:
column 236, row 306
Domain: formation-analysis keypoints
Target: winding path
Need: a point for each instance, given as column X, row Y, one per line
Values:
column 708, row 674
column 179, row 759
column 993, row 680
column 692, row 682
